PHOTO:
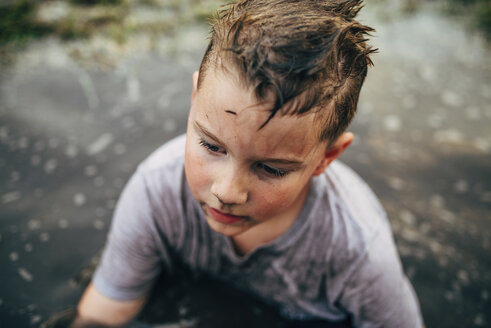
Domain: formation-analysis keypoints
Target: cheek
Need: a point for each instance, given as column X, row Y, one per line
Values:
column 197, row 175
column 274, row 199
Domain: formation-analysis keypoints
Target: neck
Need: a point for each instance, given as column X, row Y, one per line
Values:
column 267, row 231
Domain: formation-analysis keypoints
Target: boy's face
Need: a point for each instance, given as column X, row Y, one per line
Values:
column 247, row 179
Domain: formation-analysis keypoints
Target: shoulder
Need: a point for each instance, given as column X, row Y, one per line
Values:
column 155, row 184
column 354, row 211
column 348, row 220
column 367, row 270
column 353, row 194
column 156, row 199
column 163, row 170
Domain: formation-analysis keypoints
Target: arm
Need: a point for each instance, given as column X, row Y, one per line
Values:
column 97, row 309
column 128, row 267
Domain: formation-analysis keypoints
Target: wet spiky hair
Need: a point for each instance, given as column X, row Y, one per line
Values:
column 311, row 54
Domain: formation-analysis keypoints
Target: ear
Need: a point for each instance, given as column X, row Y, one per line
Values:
column 334, row 151
column 195, row 85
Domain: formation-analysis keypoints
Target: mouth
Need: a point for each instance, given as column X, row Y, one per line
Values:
column 224, row 217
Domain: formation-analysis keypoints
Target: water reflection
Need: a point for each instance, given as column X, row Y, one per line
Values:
column 77, row 117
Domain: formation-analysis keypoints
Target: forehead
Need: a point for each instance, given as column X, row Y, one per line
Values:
column 231, row 111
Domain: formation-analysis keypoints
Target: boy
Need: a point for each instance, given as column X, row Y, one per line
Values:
column 251, row 194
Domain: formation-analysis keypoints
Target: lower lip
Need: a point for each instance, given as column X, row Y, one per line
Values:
column 224, row 218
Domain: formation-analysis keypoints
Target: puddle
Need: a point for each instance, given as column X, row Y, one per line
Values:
column 72, row 133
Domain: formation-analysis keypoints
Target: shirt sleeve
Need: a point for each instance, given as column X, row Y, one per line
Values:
column 131, row 260
column 378, row 294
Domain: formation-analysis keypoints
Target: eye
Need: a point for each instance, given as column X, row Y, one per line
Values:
column 270, row 170
column 209, row 146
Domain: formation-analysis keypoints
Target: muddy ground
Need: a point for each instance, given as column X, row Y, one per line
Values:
column 77, row 117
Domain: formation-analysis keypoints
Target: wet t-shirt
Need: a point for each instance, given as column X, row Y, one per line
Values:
column 338, row 259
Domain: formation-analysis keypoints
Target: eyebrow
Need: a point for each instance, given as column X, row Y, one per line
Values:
column 210, row 135
column 205, row 131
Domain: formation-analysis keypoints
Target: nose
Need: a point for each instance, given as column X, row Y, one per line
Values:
column 229, row 186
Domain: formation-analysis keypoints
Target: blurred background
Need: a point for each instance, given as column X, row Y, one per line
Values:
column 89, row 88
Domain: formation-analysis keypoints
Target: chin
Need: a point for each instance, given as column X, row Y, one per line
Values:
column 227, row 229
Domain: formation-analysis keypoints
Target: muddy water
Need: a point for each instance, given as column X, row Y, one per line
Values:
column 76, row 118
column 424, row 144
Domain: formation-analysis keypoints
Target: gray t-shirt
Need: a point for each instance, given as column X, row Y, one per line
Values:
column 337, row 259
